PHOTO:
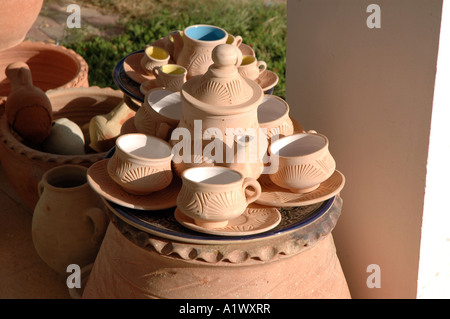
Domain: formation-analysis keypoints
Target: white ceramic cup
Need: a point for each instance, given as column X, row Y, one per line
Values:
column 304, row 162
column 141, row 164
column 250, row 67
column 170, row 76
column 213, row 195
column 153, row 57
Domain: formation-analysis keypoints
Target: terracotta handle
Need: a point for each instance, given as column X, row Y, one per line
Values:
column 239, row 56
column 99, row 220
column 156, row 71
column 262, row 66
column 40, row 187
column 237, row 40
column 252, row 183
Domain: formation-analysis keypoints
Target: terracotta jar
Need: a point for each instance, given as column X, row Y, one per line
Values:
column 17, row 19
column 218, row 109
column 301, row 263
column 24, row 165
column 69, row 220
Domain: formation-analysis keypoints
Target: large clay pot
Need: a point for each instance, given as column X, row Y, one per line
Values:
column 51, row 66
column 301, row 263
column 69, row 220
column 24, row 166
column 17, row 19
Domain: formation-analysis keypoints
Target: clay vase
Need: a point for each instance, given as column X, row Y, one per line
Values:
column 105, row 128
column 69, row 220
column 28, row 110
column 195, row 46
column 17, row 18
column 66, row 138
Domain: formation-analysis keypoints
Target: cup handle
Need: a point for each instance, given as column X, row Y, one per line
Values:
column 99, row 220
column 262, row 66
column 252, row 183
column 239, row 56
column 237, row 40
column 156, row 71
column 163, row 131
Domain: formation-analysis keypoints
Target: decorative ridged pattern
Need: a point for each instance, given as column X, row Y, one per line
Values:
column 285, row 245
column 298, row 171
column 209, row 204
column 129, row 173
column 229, row 94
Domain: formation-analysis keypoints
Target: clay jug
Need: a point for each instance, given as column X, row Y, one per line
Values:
column 69, row 220
column 194, row 46
column 28, row 109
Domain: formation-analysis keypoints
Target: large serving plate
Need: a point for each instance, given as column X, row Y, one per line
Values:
column 124, row 82
column 163, row 223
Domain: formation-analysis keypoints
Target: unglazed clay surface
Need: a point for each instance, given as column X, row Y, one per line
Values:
column 102, row 183
column 274, row 195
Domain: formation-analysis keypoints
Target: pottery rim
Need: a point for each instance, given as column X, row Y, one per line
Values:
column 320, row 146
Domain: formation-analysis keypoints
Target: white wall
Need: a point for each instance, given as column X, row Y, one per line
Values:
column 434, row 267
column 371, row 92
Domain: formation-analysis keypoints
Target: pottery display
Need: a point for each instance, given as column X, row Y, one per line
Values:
column 141, row 164
column 24, row 165
column 159, row 114
column 52, row 66
column 69, row 220
column 212, row 196
column 18, row 17
column 220, row 104
column 304, row 161
column 105, row 128
column 273, row 117
column 66, row 138
column 28, row 110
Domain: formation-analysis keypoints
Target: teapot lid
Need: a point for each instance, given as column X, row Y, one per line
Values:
column 222, row 87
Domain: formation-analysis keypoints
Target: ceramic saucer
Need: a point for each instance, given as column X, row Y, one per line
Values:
column 256, row 219
column 276, row 196
column 103, row 185
column 267, row 80
column 147, row 86
column 133, row 68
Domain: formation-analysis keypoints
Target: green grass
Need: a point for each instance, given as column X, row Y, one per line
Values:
column 261, row 25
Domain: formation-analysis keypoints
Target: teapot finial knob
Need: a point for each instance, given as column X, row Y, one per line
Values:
column 224, row 55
